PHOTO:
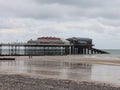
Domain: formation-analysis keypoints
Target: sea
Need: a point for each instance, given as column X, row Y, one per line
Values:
column 113, row 54
column 112, row 51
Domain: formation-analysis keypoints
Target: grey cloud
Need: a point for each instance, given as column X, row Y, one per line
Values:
column 59, row 9
column 60, row 17
column 33, row 10
column 86, row 8
column 80, row 3
column 109, row 22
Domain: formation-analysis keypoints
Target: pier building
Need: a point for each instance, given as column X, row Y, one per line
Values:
column 51, row 46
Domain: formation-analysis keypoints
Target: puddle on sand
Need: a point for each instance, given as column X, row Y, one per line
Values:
column 64, row 70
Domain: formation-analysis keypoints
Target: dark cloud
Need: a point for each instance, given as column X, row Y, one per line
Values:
column 60, row 9
column 85, row 8
column 80, row 3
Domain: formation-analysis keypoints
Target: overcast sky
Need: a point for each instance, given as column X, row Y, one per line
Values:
column 21, row 20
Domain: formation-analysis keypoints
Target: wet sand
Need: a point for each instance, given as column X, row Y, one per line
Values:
column 50, row 80
column 73, row 59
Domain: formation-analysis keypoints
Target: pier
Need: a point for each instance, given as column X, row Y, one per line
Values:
column 50, row 46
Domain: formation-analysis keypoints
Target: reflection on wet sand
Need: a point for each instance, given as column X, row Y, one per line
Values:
column 64, row 70
column 106, row 73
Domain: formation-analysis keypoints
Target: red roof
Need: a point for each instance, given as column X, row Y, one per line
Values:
column 48, row 38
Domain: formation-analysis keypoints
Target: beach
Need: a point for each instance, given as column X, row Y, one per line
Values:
column 71, row 72
column 22, row 82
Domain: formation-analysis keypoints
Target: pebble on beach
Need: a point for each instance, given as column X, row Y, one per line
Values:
column 22, row 82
